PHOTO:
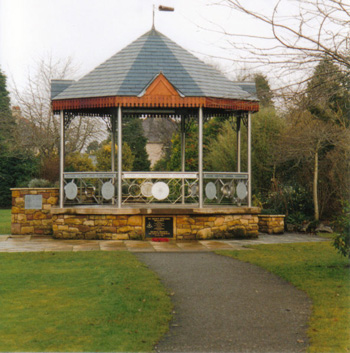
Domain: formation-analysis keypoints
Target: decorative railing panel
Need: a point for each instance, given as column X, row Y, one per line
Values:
column 147, row 188
column 151, row 188
column 90, row 188
column 225, row 188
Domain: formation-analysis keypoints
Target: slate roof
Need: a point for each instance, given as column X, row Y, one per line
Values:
column 129, row 71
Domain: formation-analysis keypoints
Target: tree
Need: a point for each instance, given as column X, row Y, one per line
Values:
column 41, row 125
column 103, row 157
column 296, row 35
column 328, row 93
column 133, row 136
column 305, row 141
column 222, row 155
column 7, row 121
column 263, row 90
column 16, row 166
column 78, row 162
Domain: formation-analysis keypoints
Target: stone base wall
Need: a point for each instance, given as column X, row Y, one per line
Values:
column 217, row 227
column 129, row 227
column 271, row 224
column 107, row 227
column 27, row 220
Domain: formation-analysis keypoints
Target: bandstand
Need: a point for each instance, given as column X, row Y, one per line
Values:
column 153, row 77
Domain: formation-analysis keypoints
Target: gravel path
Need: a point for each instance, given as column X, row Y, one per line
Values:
column 224, row 305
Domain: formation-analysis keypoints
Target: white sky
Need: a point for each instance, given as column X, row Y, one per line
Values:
column 91, row 31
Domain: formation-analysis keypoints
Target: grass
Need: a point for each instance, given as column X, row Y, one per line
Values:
column 81, row 302
column 324, row 275
column 5, row 222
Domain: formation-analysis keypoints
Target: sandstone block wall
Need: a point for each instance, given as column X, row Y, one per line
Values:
column 32, row 221
column 271, row 224
column 217, row 226
column 90, row 226
column 128, row 227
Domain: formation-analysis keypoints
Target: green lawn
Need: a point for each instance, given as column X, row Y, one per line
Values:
column 324, row 275
column 82, row 302
column 5, row 221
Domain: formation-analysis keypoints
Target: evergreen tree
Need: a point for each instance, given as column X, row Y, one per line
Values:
column 328, row 93
column 263, row 91
column 7, row 122
column 16, row 167
column 133, row 136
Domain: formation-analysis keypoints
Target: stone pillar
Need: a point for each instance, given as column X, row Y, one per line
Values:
column 31, row 210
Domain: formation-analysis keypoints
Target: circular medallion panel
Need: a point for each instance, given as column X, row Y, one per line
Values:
column 227, row 190
column 210, row 191
column 146, row 189
column 134, row 190
column 107, row 190
column 241, row 190
column 160, row 190
column 71, row 191
column 193, row 190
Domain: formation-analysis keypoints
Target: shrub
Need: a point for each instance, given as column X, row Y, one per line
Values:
column 341, row 240
column 39, row 183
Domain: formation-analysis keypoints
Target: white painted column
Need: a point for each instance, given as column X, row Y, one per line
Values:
column 249, row 159
column 183, row 155
column 120, row 157
column 62, row 151
column 200, row 155
column 113, row 150
column 113, row 143
column 238, row 144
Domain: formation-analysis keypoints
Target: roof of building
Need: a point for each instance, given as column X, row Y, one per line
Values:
column 130, row 71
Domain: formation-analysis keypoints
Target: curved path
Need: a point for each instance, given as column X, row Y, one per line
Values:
column 224, row 305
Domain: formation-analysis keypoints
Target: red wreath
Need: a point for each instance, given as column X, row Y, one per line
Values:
column 160, row 240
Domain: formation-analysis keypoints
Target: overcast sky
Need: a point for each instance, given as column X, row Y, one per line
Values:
column 91, row 31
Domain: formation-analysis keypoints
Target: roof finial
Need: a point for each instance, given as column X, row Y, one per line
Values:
column 161, row 8
column 153, row 17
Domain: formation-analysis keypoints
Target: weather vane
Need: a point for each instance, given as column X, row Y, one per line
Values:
column 161, row 8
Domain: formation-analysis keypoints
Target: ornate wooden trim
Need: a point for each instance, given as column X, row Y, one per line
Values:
column 155, row 101
column 160, row 87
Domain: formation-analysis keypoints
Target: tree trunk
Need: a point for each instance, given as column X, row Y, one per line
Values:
column 315, row 186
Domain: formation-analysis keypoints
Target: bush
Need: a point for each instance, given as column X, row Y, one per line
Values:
column 40, row 183
column 292, row 200
column 341, row 240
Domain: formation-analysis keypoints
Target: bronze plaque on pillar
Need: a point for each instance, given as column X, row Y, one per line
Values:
column 159, row 227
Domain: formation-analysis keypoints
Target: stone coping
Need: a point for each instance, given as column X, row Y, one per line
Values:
column 48, row 188
column 155, row 211
column 271, row 215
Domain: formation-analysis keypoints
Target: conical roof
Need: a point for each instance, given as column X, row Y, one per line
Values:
column 130, row 71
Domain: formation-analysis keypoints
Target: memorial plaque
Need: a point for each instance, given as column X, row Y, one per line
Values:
column 33, row 202
column 159, row 227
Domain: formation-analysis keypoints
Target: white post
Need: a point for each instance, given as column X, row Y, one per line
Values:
column 200, row 155
column 183, row 155
column 113, row 151
column 62, row 148
column 238, row 144
column 249, row 159
column 113, row 143
column 120, row 157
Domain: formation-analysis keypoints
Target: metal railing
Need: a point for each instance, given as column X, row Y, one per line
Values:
column 148, row 188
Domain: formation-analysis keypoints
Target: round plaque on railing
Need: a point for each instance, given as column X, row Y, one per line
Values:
column 160, row 190
column 107, row 190
column 210, row 190
column 146, row 189
column 241, row 190
column 227, row 190
column 71, row 190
